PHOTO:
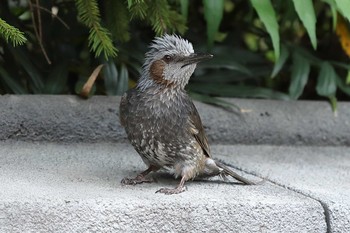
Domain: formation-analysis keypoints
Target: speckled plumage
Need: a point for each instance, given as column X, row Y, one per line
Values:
column 160, row 118
column 158, row 126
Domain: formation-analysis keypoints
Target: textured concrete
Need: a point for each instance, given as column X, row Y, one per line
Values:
column 322, row 173
column 71, row 119
column 50, row 187
column 62, row 159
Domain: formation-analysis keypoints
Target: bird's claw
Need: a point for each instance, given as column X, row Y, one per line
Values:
column 169, row 191
column 136, row 180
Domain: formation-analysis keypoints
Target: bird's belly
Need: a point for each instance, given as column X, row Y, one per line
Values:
column 155, row 146
column 162, row 144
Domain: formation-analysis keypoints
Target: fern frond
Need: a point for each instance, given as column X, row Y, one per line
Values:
column 88, row 12
column 159, row 16
column 178, row 22
column 99, row 37
column 117, row 19
column 100, row 42
column 137, row 8
column 11, row 34
column 163, row 19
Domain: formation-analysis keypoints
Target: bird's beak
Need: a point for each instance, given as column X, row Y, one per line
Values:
column 195, row 58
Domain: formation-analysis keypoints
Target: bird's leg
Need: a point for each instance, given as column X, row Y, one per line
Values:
column 140, row 178
column 179, row 189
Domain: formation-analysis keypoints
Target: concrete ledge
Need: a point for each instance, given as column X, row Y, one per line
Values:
column 49, row 187
column 321, row 173
column 71, row 119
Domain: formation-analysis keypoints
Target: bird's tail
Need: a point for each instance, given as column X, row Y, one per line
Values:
column 228, row 172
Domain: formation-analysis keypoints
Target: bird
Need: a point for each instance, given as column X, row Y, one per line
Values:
column 161, row 120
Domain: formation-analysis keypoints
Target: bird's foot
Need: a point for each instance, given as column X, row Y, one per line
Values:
column 168, row 191
column 137, row 180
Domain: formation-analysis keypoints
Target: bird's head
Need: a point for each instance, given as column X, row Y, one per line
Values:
column 170, row 62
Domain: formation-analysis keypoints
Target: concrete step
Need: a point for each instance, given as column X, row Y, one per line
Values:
column 62, row 159
column 60, row 187
column 72, row 119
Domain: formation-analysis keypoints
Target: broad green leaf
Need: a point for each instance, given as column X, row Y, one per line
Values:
column 341, row 65
column 110, row 75
column 221, row 76
column 348, row 78
column 242, row 91
column 134, row 68
column 225, row 63
column 344, row 8
column 333, row 7
column 237, row 54
column 326, row 81
column 313, row 59
column 213, row 101
column 306, row 13
column 299, row 76
column 280, row 62
column 14, row 86
column 184, row 8
column 123, row 80
column 34, row 75
column 213, row 12
column 117, row 23
column 57, row 79
column 268, row 17
column 342, row 86
column 333, row 101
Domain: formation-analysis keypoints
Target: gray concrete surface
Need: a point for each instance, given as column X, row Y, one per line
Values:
column 72, row 119
column 62, row 159
column 322, row 173
column 52, row 187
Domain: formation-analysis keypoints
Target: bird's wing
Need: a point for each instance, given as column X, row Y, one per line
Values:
column 122, row 109
column 196, row 128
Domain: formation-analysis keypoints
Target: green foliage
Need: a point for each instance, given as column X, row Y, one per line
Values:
column 281, row 61
column 66, row 42
column 261, row 48
column 99, row 38
column 137, row 8
column 306, row 14
column 160, row 16
column 118, row 24
column 56, row 82
column 21, row 57
column 213, row 12
column 116, row 83
column 267, row 15
column 242, row 91
column 344, row 7
column 11, row 83
column 110, row 74
column 333, row 7
column 11, row 34
column 184, row 8
column 326, row 82
column 299, row 76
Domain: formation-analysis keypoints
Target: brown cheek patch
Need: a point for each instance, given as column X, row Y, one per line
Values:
column 157, row 72
column 157, row 69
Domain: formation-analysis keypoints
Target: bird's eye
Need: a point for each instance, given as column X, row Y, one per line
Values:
column 167, row 58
